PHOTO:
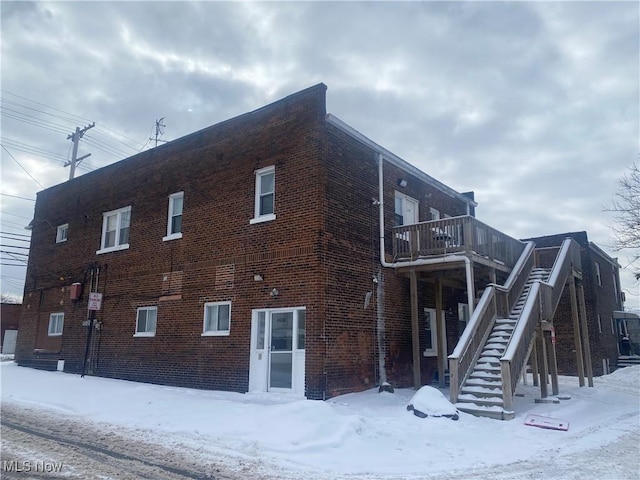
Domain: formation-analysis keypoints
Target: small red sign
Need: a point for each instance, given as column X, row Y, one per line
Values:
column 95, row 301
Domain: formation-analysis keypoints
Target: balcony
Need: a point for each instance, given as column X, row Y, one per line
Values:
column 457, row 235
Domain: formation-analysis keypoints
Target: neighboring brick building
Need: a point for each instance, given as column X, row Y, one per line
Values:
column 9, row 319
column 603, row 297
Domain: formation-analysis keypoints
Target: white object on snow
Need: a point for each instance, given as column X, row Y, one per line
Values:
column 431, row 402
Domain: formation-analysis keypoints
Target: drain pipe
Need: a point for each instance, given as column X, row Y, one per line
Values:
column 423, row 261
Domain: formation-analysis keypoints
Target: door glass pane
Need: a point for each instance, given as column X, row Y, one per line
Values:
column 282, row 332
column 301, row 328
column 281, row 363
column 281, row 350
column 261, row 331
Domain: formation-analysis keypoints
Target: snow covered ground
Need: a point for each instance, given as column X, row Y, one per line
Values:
column 366, row 435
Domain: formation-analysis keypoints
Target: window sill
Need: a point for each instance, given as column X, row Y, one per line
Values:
column 429, row 353
column 145, row 334
column 54, row 334
column 223, row 333
column 124, row 246
column 263, row 218
column 173, row 236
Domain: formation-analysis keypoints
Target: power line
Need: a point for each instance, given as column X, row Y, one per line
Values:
column 117, row 136
column 16, row 196
column 2, row 212
column 14, row 246
column 20, row 165
column 17, row 145
column 42, row 104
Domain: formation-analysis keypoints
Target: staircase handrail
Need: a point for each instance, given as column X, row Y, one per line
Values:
column 494, row 300
column 475, row 334
column 517, row 279
column 540, row 305
column 568, row 259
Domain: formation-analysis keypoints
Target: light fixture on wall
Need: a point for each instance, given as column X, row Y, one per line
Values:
column 257, row 277
column 402, row 182
column 274, row 292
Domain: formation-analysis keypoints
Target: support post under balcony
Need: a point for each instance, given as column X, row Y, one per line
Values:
column 585, row 334
column 441, row 341
column 576, row 331
column 415, row 329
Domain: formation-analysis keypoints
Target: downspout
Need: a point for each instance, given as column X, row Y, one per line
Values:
column 423, row 261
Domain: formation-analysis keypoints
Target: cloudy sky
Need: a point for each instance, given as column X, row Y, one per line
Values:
column 534, row 106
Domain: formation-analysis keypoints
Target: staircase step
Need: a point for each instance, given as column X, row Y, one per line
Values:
column 504, row 321
column 478, row 400
column 482, row 391
column 493, row 360
column 487, row 367
column 495, row 412
column 484, row 382
column 485, row 375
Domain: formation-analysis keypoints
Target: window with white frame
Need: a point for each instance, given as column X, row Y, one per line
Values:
column 598, row 276
column 264, row 208
column 174, row 216
column 613, row 326
column 115, row 230
column 217, row 319
column 62, row 233
column 56, row 323
column 435, row 213
column 431, row 342
column 599, row 323
column 463, row 317
column 615, row 286
column 146, row 321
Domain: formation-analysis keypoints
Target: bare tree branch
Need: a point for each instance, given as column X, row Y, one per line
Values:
column 626, row 209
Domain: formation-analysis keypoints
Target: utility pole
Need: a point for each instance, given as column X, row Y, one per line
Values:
column 75, row 138
column 159, row 131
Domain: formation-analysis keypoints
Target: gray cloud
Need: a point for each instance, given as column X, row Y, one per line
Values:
column 534, row 105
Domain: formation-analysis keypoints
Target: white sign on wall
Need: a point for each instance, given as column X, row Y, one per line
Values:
column 95, row 301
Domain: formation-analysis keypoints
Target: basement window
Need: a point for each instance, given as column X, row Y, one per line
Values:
column 115, row 230
column 62, row 233
column 56, row 323
column 146, row 322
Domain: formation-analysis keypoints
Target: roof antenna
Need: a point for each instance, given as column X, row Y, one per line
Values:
column 159, row 131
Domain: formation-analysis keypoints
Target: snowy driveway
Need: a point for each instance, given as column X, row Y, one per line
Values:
column 358, row 436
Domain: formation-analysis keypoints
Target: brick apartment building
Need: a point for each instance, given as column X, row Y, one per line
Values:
column 280, row 250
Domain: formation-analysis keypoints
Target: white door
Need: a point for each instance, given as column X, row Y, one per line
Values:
column 277, row 355
column 431, row 347
column 9, row 344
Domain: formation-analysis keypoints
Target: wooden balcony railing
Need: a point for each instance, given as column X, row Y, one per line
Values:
column 464, row 235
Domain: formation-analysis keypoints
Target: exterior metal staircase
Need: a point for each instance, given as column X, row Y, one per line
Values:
column 481, row 393
column 492, row 352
